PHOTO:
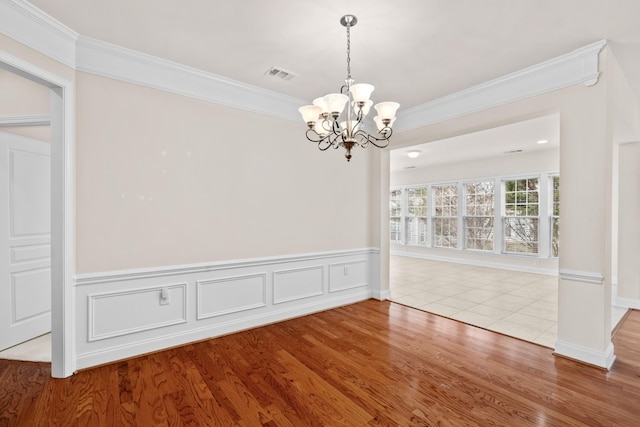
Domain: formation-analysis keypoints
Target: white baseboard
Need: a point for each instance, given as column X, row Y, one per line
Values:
column 381, row 295
column 128, row 313
column 627, row 302
column 601, row 359
column 479, row 263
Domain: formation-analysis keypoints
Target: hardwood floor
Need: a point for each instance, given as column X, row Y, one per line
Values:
column 371, row 363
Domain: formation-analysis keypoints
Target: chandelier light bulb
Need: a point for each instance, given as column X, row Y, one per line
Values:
column 320, row 103
column 310, row 113
column 361, row 92
column 335, row 102
column 387, row 110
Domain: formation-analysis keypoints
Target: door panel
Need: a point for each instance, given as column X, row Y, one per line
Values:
column 25, row 239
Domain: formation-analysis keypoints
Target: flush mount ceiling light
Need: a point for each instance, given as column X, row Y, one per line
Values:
column 323, row 117
column 413, row 153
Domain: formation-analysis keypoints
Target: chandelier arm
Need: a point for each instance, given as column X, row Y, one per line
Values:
column 367, row 138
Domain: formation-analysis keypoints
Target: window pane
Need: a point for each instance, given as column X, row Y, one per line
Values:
column 555, row 221
column 479, row 233
column 395, row 211
column 416, row 219
column 394, row 230
column 479, row 220
column 445, row 222
column 445, row 232
column 521, row 235
column 416, row 231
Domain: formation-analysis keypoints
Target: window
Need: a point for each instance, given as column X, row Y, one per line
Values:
column 520, row 221
column 478, row 221
column 395, row 215
column 555, row 217
column 445, row 216
column 416, row 221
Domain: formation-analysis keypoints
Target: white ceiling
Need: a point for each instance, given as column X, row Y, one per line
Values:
column 413, row 51
column 500, row 141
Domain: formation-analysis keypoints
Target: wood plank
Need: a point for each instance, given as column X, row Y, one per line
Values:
column 371, row 363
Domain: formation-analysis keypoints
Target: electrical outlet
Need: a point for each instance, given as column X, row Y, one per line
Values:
column 346, row 270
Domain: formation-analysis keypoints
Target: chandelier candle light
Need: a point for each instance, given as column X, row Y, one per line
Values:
column 322, row 117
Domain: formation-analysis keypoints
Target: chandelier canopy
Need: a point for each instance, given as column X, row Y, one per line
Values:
column 325, row 126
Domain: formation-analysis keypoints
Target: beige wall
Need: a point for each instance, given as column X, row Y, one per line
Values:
column 22, row 97
column 163, row 179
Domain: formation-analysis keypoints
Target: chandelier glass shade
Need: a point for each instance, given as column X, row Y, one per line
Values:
column 330, row 128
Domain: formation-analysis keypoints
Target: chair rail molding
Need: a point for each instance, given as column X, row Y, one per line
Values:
column 581, row 276
column 32, row 120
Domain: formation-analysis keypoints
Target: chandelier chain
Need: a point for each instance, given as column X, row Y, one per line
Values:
column 348, row 50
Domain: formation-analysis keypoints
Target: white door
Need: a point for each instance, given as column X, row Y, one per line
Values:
column 25, row 239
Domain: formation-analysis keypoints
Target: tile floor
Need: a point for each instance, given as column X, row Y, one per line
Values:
column 522, row 305
column 36, row 350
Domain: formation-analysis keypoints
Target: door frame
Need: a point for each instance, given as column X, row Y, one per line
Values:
column 62, row 209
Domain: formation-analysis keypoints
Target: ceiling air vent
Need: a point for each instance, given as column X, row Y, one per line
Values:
column 279, row 73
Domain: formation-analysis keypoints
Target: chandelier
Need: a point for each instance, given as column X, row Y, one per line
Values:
column 323, row 117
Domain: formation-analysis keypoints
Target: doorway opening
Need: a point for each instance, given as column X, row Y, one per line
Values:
column 61, row 219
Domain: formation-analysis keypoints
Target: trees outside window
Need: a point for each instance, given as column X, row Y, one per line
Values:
column 445, row 216
column 521, row 215
column 464, row 215
column 416, row 220
column 479, row 211
column 395, row 215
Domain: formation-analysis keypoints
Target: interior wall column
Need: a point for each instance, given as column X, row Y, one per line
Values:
column 628, row 294
column 586, row 170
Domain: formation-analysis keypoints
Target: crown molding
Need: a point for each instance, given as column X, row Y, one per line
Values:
column 30, row 26
column 577, row 67
column 108, row 60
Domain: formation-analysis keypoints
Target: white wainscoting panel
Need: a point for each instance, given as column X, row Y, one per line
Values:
column 227, row 295
column 291, row 285
column 121, row 313
column 347, row 275
column 31, row 294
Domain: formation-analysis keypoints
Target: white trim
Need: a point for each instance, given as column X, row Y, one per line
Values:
column 577, row 67
column 602, row 359
column 581, row 276
column 145, row 273
column 482, row 263
column 116, row 62
column 33, row 120
column 295, row 299
column 29, row 25
column 62, row 209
